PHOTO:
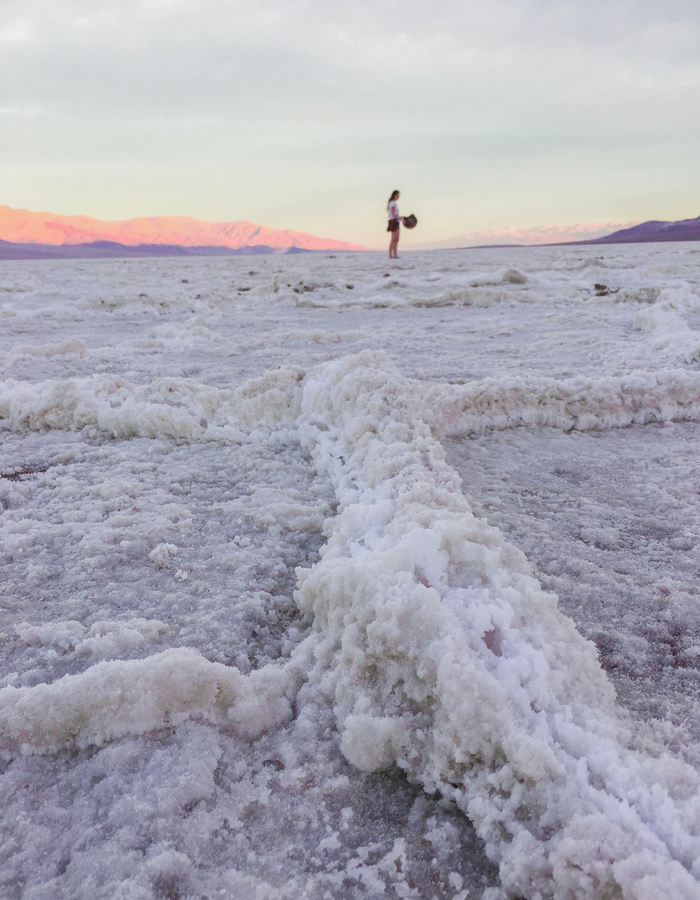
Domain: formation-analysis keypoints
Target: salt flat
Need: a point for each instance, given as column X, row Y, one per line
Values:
column 325, row 576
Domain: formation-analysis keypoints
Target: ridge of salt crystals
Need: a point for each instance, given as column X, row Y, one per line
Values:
column 444, row 656
column 440, row 652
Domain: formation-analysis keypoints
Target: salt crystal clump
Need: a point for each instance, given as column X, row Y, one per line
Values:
column 60, row 635
column 114, row 699
column 581, row 403
column 513, row 276
column 162, row 554
column 666, row 322
column 103, row 640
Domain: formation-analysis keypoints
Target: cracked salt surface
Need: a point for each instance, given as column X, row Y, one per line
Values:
column 418, row 719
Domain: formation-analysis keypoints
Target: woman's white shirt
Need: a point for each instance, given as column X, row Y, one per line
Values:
column 394, row 210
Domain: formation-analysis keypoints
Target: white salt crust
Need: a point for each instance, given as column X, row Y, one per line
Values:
column 437, row 648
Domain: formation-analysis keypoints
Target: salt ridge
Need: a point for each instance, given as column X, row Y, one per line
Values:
column 438, row 649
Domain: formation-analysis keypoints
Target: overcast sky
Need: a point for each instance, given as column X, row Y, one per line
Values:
column 490, row 116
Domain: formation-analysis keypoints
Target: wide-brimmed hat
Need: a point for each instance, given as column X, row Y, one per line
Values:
column 410, row 221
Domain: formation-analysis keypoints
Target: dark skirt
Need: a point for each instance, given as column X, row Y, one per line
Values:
column 393, row 225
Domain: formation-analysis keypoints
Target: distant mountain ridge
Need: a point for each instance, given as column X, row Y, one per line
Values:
column 22, row 226
column 683, row 230
column 652, row 231
column 114, row 250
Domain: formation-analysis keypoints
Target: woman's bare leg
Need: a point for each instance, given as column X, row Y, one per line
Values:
column 394, row 245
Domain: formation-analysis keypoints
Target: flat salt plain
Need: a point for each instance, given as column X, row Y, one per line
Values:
column 328, row 577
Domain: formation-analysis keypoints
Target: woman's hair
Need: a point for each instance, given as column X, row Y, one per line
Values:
column 394, row 195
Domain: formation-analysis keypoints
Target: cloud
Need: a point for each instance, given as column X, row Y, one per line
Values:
column 499, row 66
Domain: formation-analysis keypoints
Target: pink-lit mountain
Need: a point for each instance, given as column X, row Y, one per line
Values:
column 24, row 226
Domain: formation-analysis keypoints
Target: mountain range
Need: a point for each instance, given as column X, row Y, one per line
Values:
column 683, row 230
column 112, row 249
column 646, row 232
column 44, row 235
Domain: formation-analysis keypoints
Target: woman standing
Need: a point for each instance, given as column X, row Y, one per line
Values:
column 394, row 219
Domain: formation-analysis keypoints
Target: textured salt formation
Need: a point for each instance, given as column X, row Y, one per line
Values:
column 440, row 653
column 443, row 656
column 118, row 699
column 666, row 319
column 581, row 404
column 426, row 646
column 188, row 411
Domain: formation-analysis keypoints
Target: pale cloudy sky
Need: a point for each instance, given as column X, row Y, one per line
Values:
column 496, row 116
